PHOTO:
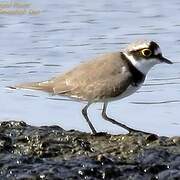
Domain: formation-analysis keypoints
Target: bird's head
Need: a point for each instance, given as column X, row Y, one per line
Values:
column 144, row 54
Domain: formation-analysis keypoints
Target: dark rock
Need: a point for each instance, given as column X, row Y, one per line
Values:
column 49, row 152
column 152, row 137
column 169, row 175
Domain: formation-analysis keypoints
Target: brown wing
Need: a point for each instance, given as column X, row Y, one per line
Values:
column 101, row 89
column 102, row 78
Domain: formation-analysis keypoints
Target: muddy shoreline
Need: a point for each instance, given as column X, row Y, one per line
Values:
column 49, row 152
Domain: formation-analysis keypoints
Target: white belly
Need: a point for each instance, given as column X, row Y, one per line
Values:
column 130, row 90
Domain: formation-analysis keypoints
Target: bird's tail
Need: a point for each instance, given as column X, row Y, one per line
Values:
column 44, row 86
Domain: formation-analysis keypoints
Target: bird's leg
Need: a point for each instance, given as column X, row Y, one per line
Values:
column 104, row 115
column 84, row 112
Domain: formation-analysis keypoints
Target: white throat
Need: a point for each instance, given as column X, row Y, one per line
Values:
column 142, row 65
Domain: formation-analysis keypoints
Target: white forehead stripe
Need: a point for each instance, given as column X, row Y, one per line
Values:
column 140, row 44
column 157, row 51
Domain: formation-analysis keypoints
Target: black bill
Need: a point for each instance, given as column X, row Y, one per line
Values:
column 165, row 60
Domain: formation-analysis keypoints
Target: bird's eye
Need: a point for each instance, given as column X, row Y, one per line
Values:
column 146, row 52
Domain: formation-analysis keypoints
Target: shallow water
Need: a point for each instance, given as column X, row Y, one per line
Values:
column 64, row 34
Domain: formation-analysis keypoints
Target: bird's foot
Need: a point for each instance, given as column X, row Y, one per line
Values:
column 100, row 134
column 138, row 132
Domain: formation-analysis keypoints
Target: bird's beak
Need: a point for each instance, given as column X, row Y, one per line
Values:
column 164, row 60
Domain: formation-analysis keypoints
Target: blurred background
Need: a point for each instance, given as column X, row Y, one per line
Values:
column 41, row 39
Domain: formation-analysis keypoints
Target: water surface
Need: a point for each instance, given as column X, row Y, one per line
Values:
column 66, row 33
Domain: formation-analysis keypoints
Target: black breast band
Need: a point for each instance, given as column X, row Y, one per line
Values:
column 138, row 77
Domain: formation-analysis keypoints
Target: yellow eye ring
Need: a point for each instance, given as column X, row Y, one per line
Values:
column 146, row 52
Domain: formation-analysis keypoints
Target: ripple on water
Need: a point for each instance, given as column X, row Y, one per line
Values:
column 155, row 102
column 64, row 34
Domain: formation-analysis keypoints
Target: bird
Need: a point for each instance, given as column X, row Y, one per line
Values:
column 105, row 78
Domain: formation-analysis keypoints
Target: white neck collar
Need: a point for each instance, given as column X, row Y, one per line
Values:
column 142, row 65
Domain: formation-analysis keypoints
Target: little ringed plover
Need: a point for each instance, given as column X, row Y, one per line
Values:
column 105, row 78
